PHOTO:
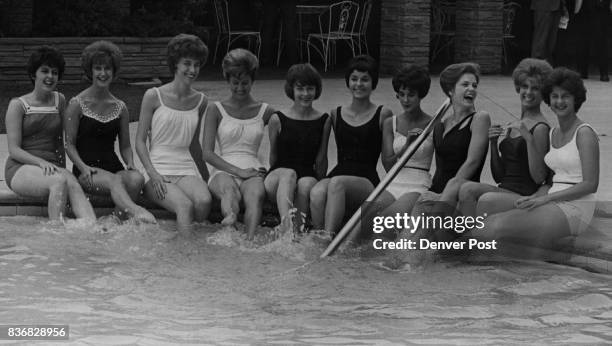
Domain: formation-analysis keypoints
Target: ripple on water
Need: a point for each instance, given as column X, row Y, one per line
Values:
column 141, row 284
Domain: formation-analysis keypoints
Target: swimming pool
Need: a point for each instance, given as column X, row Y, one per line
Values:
column 127, row 284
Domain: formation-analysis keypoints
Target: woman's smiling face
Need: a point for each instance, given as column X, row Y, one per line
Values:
column 465, row 90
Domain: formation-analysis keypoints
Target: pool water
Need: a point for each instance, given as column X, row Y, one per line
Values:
column 133, row 284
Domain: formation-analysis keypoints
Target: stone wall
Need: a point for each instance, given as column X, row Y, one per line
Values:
column 142, row 57
column 404, row 34
column 478, row 36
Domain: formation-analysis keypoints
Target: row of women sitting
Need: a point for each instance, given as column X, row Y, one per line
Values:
column 172, row 117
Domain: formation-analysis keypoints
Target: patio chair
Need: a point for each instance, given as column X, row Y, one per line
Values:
column 225, row 33
column 360, row 35
column 442, row 26
column 335, row 24
column 509, row 14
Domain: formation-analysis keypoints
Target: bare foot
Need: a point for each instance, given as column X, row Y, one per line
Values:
column 229, row 220
column 144, row 216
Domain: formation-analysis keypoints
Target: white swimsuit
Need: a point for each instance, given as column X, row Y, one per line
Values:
column 239, row 139
column 566, row 164
column 171, row 134
column 414, row 176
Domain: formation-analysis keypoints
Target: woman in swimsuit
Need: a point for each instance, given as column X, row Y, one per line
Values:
column 298, row 143
column 358, row 132
column 567, row 207
column 237, row 124
column 520, row 169
column 171, row 117
column 35, row 166
column 92, row 121
column 460, row 144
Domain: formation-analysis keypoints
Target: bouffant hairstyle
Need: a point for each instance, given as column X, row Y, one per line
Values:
column 362, row 63
column 567, row 79
column 238, row 62
column 185, row 46
column 45, row 55
column 530, row 68
column 101, row 52
column 452, row 73
column 302, row 74
column 413, row 77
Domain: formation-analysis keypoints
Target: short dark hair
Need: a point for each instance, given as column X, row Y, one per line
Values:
column 452, row 73
column 413, row 77
column 101, row 52
column 304, row 74
column 45, row 55
column 362, row 63
column 185, row 46
column 238, row 62
column 566, row 79
column 530, row 68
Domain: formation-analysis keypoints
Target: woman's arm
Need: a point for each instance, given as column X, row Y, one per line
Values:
column 385, row 114
column 125, row 146
column 149, row 103
column 498, row 170
column 195, row 148
column 478, row 145
column 268, row 114
column 321, row 159
column 389, row 157
column 211, row 124
column 274, row 128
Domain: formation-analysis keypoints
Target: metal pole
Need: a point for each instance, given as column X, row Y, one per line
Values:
column 389, row 176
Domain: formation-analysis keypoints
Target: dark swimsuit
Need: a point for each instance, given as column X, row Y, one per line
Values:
column 358, row 147
column 298, row 144
column 96, row 136
column 451, row 152
column 516, row 165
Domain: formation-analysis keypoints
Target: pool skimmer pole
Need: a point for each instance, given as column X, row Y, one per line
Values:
column 389, row 176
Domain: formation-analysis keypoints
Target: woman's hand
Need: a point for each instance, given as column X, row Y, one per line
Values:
column 86, row 176
column 130, row 167
column 531, row 202
column 48, row 168
column 159, row 185
column 521, row 127
column 251, row 172
column 495, row 131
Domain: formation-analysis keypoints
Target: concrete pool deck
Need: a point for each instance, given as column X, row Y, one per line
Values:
column 592, row 250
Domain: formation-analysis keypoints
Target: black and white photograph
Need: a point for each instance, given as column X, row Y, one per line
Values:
column 305, row 172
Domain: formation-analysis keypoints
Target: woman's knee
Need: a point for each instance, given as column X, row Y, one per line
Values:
column 61, row 181
column 133, row 180
column 318, row 193
column 254, row 194
column 202, row 200
column 305, row 185
column 469, row 191
column 335, row 186
column 288, row 176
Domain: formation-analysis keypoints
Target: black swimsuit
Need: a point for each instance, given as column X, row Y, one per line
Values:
column 95, row 140
column 298, row 144
column 516, row 165
column 451, row 152
column 358, row 147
